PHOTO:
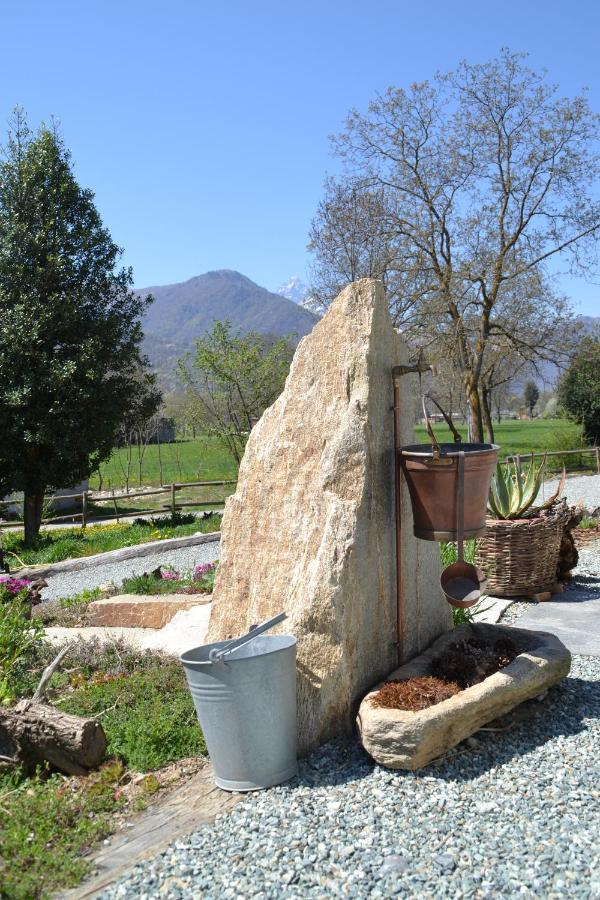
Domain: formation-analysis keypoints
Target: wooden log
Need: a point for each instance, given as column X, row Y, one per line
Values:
column 32, row 734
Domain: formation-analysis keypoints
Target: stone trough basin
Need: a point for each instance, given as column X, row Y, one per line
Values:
column 402, row 739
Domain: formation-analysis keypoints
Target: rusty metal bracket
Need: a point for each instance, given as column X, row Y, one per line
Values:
column 418, row 367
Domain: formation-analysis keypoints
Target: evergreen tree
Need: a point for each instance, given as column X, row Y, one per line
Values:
column 70, row 333
column 531, row 396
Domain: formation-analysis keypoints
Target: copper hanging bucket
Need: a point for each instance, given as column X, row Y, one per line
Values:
column 432, row 473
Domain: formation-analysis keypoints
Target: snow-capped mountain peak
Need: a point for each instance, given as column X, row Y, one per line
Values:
column 294, row 289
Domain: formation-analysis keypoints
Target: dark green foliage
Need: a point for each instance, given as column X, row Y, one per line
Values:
column 531, row 395
column 579, row 389
column 70, row 364
column 171, row 521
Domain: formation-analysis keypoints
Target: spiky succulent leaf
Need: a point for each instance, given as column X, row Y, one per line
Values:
column 557, row 493
column 518, row 480
column 501, row 492
column 513, row 491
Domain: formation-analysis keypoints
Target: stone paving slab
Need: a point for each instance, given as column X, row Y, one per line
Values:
column 491, row 609
column 141, row 610
column 576, row 622
column 186, row 629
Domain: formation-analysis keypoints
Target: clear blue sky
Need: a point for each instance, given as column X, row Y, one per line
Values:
column 203, row 127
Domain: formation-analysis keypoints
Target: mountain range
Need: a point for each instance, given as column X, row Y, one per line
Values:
column 185, row 311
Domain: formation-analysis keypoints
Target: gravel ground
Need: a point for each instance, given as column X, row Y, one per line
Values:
column 514, row 814
column 581, row 489
column 65, row 584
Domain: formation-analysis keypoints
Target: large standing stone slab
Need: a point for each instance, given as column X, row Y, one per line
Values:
column 401, row 739
column 310, row 528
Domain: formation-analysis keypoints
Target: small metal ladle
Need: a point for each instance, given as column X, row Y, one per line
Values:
column 462, row 582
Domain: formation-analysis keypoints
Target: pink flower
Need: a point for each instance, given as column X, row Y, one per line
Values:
column 203, row 569
column 170, row 575
column 14, row 585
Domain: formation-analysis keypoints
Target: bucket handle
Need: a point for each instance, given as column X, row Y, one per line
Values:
column 435, row 447
column 216, row 654
column 460, row 506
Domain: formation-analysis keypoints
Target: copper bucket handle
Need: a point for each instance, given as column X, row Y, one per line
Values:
column 435, row 447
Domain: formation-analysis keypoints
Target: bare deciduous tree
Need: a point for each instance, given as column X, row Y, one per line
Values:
column 459, row 193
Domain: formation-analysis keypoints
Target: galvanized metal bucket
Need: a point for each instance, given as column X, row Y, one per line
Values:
column 245, row 699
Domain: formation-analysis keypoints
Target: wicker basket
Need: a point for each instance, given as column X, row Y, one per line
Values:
column 520, row 557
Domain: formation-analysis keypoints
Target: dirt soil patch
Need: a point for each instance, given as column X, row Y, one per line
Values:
column 463, row 664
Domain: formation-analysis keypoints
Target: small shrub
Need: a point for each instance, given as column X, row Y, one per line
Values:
column 204, row 575
column 82, row 599
column 11, row 587
column 19, row 635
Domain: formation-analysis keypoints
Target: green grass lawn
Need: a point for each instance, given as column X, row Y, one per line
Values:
column 64, row 543
column 524, row 437
column 205, row 459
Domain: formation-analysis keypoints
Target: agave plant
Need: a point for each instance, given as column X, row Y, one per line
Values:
column 513, row 490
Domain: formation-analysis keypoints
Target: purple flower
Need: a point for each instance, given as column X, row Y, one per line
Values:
column 170, row 575
column 14, row 585
column 203, row 569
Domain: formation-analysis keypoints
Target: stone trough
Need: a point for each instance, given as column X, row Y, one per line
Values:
column 401, row 739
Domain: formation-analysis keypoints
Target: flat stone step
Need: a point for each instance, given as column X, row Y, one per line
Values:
column 141, row 610
column 187, row 629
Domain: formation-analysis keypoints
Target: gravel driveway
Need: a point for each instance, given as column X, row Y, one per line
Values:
column 517, row 814
column 581, row 489
column 509, row 813
column 65, row 584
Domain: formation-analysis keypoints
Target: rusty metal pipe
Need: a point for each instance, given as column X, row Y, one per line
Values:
column 397, row 373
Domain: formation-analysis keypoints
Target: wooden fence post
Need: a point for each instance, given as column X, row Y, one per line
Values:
column 115, row 505
column 173, row 500
column 84, row 509
column 598, row 459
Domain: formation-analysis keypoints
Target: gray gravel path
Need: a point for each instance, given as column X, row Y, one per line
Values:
column 516, row 814
column 65, row 584
column 581, row 489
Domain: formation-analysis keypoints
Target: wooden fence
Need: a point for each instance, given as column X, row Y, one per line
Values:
column 518, row 457
column 88, row 497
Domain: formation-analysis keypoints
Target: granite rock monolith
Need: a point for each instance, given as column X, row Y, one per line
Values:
column 310, row 529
